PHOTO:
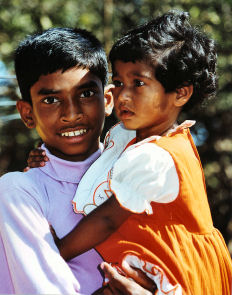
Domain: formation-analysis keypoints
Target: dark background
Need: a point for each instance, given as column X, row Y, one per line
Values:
column 108, row 20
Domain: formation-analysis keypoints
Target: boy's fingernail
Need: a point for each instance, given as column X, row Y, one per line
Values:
column 125, row 264
column 42, row 163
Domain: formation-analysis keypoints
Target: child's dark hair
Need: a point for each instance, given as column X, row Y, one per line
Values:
column 58, row 49
column 179, row 53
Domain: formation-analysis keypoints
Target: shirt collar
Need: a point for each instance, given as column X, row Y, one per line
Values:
column 68, row 171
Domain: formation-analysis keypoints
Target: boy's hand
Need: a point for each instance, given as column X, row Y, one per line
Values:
column 119, row 284
column 36, row 158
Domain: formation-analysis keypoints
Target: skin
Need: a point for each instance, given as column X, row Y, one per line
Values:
column 141, row 102
column 64, row 102
column 121, row 285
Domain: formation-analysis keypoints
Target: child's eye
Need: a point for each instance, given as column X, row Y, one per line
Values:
column 50, row 100
column 139, row 83
column 117, row 83
column 87, row 93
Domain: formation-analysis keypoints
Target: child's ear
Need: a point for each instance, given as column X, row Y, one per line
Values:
column 109, row 101
column 183, row 95
column 26, row 113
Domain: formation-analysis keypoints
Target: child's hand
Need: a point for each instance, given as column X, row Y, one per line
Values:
column 56, row 239
column 37, row 158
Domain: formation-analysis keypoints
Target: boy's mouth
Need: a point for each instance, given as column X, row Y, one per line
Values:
column 74, row 133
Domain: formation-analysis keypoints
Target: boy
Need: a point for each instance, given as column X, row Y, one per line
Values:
column 61, row 74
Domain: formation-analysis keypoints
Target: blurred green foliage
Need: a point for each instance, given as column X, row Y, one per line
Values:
column 108, row 19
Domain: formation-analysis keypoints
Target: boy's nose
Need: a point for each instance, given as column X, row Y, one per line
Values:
column 71, row 112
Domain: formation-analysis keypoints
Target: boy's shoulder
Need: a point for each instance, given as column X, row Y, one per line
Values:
column 19, row 180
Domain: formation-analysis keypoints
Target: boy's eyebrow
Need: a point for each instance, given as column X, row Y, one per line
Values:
column 89, row 84
column 48, row 91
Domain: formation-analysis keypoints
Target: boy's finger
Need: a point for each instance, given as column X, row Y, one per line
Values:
column 105, row 290
column 138, row 276
column 26, row 169
column 109, row 271
column 123, row 285
column 117, row 283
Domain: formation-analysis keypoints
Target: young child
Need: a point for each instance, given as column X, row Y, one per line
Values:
column 156, row 214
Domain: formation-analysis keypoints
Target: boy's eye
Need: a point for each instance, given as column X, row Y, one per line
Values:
column 139, row 83
column 50, row 100
column 117, row 83
column 87, row 93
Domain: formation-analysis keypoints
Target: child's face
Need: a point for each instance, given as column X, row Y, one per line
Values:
column 68, row 112
column 140, row 100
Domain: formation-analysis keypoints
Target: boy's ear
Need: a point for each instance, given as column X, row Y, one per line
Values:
column 109, row 101
column 26, row 113
column 183, row 95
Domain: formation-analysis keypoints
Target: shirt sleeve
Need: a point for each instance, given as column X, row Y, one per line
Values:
column 143, row 174
column 33, row 260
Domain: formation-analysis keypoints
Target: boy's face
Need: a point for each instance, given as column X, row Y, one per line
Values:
column 68, row 111
column 140, row 100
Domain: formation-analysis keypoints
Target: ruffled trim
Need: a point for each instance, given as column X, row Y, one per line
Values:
column 154, row 272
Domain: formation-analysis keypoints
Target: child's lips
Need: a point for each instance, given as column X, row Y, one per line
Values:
column 126, row 113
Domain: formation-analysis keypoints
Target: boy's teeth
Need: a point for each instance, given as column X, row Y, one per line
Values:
column 74, row 133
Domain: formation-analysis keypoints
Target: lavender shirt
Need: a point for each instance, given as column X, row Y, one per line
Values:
column 29, row 259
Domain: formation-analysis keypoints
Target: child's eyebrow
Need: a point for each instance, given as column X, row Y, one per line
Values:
column 137, row 74
column 147, row 76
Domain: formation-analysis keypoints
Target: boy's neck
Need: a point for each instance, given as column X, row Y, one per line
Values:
column 71, row 158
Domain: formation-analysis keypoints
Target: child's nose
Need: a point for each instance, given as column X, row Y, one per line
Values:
column 71, row 112
column 124, row 95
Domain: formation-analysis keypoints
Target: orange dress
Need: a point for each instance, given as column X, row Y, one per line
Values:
column 177, row 245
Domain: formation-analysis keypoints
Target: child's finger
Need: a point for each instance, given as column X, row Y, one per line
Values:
column 37, row 158
column 37, row 152
column 35, row 164
column 38, row 145
column 26, row 169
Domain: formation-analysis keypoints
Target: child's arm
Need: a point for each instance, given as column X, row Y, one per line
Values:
column 93, row 229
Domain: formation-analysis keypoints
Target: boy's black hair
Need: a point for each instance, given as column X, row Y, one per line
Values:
column 58, row 49
column 179, row 53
